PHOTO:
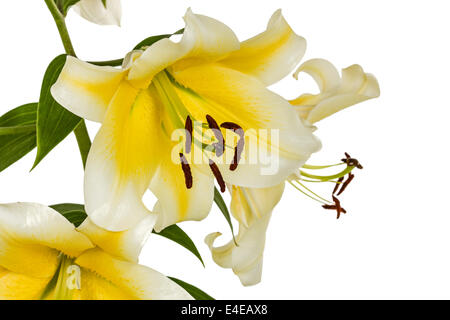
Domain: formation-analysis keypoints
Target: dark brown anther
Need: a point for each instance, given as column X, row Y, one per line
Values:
column 351, row 162
column 339, row 209
column 346, row 183
column 333, row 207
column 187, row 171
column 240, row 145
column 189, row 130
column 220, row 145
column 339, row 182
column 215, row 170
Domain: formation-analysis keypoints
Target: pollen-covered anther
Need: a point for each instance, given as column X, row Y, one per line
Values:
column 189, row 130
column 346, row 183
column 351, row 162
column 240, row 145
column 186, row 171
column 220, row 145
column 336, row 206
column 215, row 170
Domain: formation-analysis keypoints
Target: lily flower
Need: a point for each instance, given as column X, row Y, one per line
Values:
column 43, row 256
column 208, row 77
column 252, row 208
column 107, row 12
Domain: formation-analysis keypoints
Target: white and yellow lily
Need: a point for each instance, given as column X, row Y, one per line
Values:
column 208, row 73
column 252, row 208
column 107, row 12
column 43, row 256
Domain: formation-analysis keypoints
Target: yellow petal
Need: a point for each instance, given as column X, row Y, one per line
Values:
column 336, row 93
column 176, row 203
column 134, row 280
column 126, row 245
column 123, row 159
column 86, row 89
column 94, row 287
column 204, row 39
column 15, row 286
column 33, row 235
column 271, row 55
column 253, row 209
column 231, row 96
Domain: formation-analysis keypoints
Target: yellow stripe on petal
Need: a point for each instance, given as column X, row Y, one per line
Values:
column 134, row 280
column 271, row 55
column 94, row 287
column 15, row 286
column 177, row 203
column 86, row 89
column 277, row 142
column 122, row 160
column 32, row 237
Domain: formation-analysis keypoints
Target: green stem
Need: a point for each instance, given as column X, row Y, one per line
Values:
column 83, row 140
column 81, row 133
column 110, row 63
column 61, row 25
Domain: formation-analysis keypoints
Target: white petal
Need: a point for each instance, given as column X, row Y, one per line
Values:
column 122, row 160
column 246, row 259
column 94, row 11
column 204, row 39
column 137, row 281
column 85, row 89
column 126, row 244
column 33, row 235
column 336, row 93
column 271, row 55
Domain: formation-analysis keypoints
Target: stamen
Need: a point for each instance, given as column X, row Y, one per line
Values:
column 339, row 209
column 189, row 130
column 351, row 162
column 240, row 145
column 215, row 170
column 346, row 183
column 187, row 171
column 333, row 207
column 338, row 183
column 220, row 145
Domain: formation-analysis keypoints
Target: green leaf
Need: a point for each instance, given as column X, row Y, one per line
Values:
column 17, row 134
column 223, row 208
column 73, row 212
column 104, row 3
column 64, row 5
column 151, row 40
column 176, row 234
column 54, row 123
column 195, row 292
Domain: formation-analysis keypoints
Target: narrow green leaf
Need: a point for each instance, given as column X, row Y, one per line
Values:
column 223, row 208
column 73, row 212
column 151, row 40
column 17, row 134
column 176, row 234
column 104, row 3
column 54, row 123
column 195, row 292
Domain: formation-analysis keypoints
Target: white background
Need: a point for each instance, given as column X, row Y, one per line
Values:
column 393, row 243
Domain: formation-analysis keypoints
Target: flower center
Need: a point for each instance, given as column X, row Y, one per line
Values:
column 177, row 116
